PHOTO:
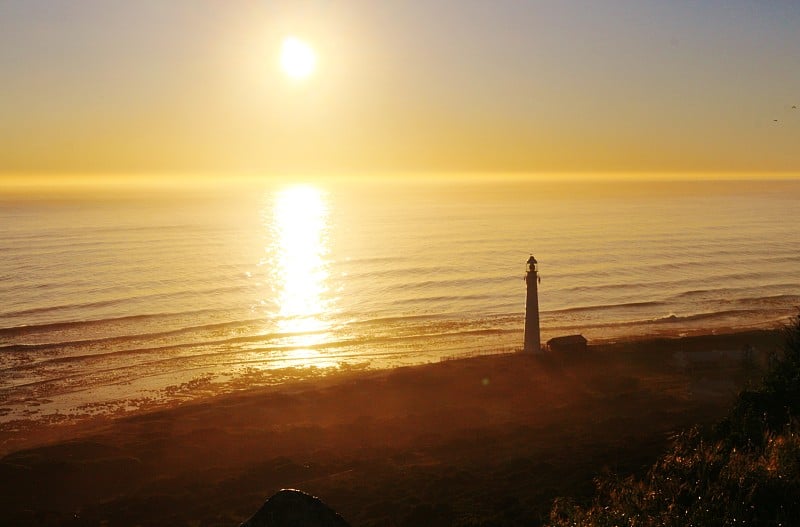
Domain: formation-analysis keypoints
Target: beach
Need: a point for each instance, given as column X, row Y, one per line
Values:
column 447, row 443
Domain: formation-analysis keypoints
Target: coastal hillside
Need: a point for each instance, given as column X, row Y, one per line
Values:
column 746, row 471
column 490, row 440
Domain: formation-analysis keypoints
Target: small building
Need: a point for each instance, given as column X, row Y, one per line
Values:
column 568, row 344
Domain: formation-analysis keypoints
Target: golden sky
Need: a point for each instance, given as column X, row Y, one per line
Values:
column 195, row 86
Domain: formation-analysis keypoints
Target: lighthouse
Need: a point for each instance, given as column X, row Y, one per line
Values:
column 532, row 337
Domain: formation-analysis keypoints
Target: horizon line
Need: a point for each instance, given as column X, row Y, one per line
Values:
column 10, row 181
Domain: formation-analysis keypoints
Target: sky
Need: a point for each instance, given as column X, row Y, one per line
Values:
column 110, row 86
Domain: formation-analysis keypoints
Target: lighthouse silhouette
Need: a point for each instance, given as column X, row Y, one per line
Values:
column 532, row 337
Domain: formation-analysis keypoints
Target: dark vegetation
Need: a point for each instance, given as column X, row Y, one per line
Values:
column 744, row 471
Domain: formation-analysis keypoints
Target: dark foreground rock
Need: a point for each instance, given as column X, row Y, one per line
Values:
column 293, row 508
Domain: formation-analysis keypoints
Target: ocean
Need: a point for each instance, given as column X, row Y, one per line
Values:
column 123, row 298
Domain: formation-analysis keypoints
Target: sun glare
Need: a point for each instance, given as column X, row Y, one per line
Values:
column 300, row 272
column 298, row 59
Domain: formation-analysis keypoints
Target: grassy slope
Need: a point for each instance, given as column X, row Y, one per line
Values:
column 746, row 471
column 488, row 441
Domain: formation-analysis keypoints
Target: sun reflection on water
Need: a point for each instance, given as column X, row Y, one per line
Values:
column 299, row 269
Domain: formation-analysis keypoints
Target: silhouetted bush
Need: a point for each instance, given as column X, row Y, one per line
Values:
column 746, row 472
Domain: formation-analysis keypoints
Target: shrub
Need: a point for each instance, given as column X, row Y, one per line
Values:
column 747, row 472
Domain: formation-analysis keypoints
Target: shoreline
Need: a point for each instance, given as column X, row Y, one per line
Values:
column 454, row 436
column 46, row 430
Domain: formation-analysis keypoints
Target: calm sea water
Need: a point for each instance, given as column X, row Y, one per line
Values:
column 120, row 299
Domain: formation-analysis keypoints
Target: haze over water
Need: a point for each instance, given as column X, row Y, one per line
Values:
column 115, row 300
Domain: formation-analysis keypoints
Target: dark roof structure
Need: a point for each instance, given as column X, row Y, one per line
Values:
column 568, row 343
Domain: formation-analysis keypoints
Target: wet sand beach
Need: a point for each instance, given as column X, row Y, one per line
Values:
column 493, row 437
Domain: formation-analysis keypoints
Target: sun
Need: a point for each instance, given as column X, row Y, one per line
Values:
column 298, row 59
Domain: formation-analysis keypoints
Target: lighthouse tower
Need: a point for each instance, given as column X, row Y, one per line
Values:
column 532, row 337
